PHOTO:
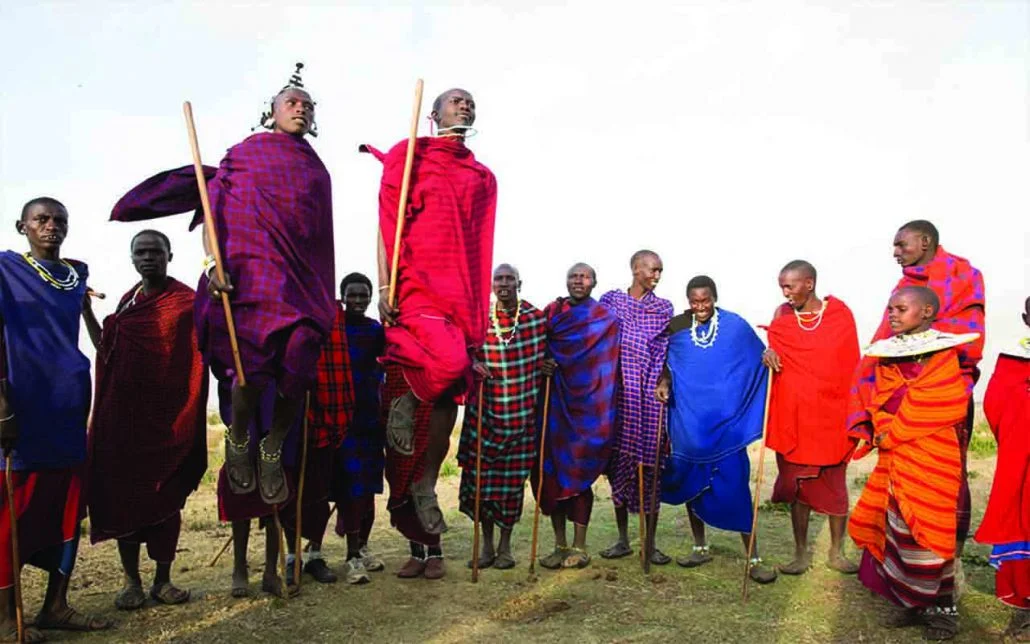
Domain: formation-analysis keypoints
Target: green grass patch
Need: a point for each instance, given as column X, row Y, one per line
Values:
column 982, row 443
column 449, row 468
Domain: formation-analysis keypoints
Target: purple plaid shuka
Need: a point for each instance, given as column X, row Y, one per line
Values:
column 642, row 347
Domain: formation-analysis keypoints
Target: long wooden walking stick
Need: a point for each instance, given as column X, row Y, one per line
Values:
column 652, row 522
column 758, row 486
column 212, row 240
column 540, row 477
column 297, row 559
column 479, row 465
column 643, row 530
column 19, row 614
column 402, row 200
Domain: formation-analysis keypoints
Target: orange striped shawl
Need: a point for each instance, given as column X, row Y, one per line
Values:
column 919, row 459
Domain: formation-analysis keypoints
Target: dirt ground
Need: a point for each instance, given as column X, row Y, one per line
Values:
column 606, row 602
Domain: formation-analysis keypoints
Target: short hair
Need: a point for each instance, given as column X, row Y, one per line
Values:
column 438, row 101
column 923, row 227
column 355, row 278
column 703, row 281
column 923, row 294
column 593, row 273
column 156, row 233
column 801, row 266
column 641, row 254
column 40, row 201
column 509, row 267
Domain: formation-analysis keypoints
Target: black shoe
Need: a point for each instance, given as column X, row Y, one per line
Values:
column 319, row 569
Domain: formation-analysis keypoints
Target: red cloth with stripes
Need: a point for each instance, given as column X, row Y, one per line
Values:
column 445, row 261
column 332, row 405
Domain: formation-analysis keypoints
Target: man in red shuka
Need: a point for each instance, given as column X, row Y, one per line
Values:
column 441, row 315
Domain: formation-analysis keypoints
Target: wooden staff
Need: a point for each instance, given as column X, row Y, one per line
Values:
column 402, row 200
column 540, row 478
column 225, row 546
column 297, row 563
column 212, row 240
column 652, row 524
column 479, row 464
column 19, row 614
column 758, row 486
column 643, row 530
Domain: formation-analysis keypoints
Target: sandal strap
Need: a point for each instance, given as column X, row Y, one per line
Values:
column 239, row 447
column 269, row 457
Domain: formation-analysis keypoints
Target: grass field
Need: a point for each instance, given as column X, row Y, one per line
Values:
column 607, row 602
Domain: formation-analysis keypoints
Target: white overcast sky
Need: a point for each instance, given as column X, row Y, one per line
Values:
column 729, row 137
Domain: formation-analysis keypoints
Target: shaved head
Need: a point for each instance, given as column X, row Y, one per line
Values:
column 801, row 267
column 923, row 227
column 921, row 295
column 507, row 268
column 582, row 265
column 641, row 254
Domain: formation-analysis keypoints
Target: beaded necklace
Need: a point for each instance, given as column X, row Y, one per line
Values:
column 505, row 341
column 810, row 317
column 66, row 284
column 706, row 339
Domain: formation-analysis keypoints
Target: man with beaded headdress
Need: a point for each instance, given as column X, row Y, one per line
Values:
column 44, row 404
column 441, row 316
column 714, row 384
column 271, row 201
column 509, row 363
column 643, row 318
column 813, row 349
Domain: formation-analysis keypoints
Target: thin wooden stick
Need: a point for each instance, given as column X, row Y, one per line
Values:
column 758, row 486
column 280, row 535
column 19, row 614
column 479, row 465
column 297, row 563
column 402, row 200
column 652, row 520
column 212, row 240
column 228, row 542
column 643, row 530
column 540, row 478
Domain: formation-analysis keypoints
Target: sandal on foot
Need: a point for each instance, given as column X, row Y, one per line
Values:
column 760, row 574
column 73, row 620
column 240, row 587
column 168, row 594
column 485, row 561
column 903, row 618
column 554, row 560
column 400, row 427
column 941, row 624
column 1019, row 626
column 130, row 597
column 412, row 568
column 576, row 559
column 32, row 635
column 699, row 556
column 617, row 550
column 427, row 508
column 659, row 558
column 271, row 477
column 504, row 561
column 275, row 587
column 239, row 469
column 842, row 565
column 797, row 567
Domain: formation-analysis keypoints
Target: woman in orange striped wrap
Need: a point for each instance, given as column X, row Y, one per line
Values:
column 905, row 520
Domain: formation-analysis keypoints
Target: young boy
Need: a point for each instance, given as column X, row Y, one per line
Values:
column 905, row 520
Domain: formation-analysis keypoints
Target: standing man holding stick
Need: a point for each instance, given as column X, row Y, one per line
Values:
column 44, row 404
column 441, row 313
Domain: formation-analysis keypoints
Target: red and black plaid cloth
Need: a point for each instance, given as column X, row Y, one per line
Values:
column 332, row 404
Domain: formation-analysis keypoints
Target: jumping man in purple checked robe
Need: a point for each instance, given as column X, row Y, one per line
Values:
column 643, row 318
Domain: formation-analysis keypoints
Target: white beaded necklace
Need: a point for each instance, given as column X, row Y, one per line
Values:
column 67, row 284
column 812, row 316
column 705, row 340
column 505, row 341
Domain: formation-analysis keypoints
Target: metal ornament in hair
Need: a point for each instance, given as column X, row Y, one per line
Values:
column 296, row 82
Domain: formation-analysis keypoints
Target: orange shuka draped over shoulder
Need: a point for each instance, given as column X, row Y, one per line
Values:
column 919, row 459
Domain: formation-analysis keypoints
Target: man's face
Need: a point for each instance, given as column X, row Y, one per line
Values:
column 150, row 257
column 647, row 272
column 456, row 108
column 906, row 314
column 702, row 304
column 1026, row 312
column 910, row 247
column 506, row 284
column 356, row 297
column 796, row 287
column 294, row 112
column 45, row 225
column 580, row 282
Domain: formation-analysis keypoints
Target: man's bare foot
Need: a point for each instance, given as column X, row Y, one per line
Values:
column 761, row 574
column 1019, row 626
column 70, row 619
column 842, row 564
column 617, row 550
column 271, row 477
column 486, row 559
column 9, row 633
column 240, row 584
column 273, row 585
column 699, row 556
column 239, row 469
column 504, row 561
column 800, row 565
column 400, row 425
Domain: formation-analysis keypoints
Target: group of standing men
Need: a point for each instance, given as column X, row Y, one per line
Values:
column 665, row 405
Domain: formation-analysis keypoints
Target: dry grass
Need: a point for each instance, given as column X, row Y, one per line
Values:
column 607, row 602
